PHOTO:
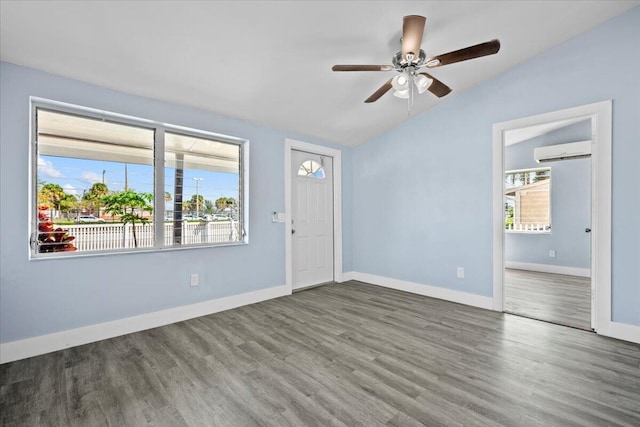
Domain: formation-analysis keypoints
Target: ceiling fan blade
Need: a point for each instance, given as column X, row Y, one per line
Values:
column 362, row 67
column 412, row 30
column 471, row 52
column 377, row 94
column 437, row 88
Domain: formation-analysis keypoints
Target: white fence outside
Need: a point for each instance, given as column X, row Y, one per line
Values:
column 101, row 237
column 528, row 227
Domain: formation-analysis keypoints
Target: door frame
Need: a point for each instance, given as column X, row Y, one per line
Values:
column 601, row 130
column 292, row 144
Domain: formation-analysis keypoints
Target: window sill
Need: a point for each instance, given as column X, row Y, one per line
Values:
column 527, row 232
column 74, row 255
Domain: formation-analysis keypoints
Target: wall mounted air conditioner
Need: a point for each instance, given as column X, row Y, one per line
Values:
column 572, row 150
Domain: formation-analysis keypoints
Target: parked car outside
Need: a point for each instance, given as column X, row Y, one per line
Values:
column 88, row 218
column 191, row 217
column 219, row 217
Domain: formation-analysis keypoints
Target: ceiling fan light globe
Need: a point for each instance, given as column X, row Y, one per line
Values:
column 400, row 82
column 422, row 83
column 404, row 94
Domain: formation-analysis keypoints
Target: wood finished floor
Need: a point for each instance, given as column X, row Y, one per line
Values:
column 556, row 298
column 340, row 355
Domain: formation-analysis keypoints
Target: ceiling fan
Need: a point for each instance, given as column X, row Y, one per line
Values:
column 411, row 59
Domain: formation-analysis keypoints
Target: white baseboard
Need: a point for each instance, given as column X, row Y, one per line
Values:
column 624, row 331
column 547, row 268
column 346, row 276
column 35, row 346
column 426, row 290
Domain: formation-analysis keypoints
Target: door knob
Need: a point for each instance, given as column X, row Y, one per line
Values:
column 293, row 231
column 587, row 230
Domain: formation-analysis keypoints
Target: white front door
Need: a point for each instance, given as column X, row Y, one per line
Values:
column 311, row 218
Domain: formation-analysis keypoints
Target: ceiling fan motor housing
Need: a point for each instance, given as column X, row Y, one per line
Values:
column 400, row 63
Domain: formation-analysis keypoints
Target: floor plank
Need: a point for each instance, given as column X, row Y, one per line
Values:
column 351, row 354
column 557, row 298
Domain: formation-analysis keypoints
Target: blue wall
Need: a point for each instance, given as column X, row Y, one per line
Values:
column 423, row 190
column 570, row 203
column 417, row 200
column 45, row 296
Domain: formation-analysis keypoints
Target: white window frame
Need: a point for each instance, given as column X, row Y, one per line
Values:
column 158, row 155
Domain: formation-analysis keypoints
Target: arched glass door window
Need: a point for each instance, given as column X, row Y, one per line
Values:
column 311, row 169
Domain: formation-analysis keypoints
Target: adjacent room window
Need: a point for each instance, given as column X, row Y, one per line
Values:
column 98, row 185
column 528, row 200
column 311, row 169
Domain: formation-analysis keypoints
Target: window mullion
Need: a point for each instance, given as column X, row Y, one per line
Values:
column 33, row 184
column 158, row 188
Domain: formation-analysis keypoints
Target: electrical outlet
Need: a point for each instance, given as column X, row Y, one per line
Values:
column 552, row 254
column 195, row 279
column 460, row 272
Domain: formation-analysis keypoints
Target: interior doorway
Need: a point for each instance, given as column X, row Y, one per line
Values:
column 313, row 218
column 580, row 267
column 547, row 242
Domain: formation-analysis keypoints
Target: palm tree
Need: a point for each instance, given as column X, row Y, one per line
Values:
column 93, row 197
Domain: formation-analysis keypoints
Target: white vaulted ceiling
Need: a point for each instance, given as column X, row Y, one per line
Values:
column 269, row 62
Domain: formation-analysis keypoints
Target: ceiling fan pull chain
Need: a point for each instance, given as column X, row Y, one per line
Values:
column 411, row 84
